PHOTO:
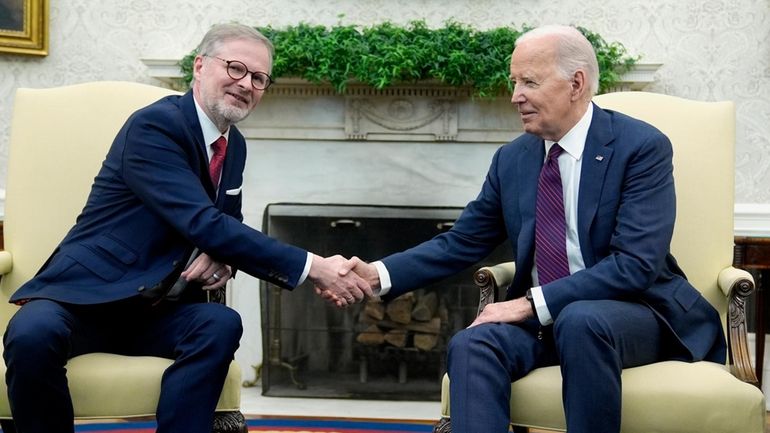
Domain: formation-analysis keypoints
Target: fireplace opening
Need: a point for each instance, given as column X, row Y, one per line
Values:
column 373, row 350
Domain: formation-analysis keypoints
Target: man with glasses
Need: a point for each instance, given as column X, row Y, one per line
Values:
column 160, row 229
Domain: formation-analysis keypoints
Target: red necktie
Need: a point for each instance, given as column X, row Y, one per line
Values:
column 217, row 160
column 550, row 222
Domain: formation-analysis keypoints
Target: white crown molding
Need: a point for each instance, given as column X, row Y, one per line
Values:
column 169, row 72
column 639, row 76
column 752, row 219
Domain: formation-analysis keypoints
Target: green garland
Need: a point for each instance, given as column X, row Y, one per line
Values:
column 386, row 54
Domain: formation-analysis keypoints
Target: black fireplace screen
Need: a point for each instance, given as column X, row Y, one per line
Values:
column 393, row 351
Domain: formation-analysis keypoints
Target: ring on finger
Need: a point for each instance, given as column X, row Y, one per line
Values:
column 215, row 276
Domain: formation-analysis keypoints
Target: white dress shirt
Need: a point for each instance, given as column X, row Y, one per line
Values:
column 210, row 131
column 573, row 143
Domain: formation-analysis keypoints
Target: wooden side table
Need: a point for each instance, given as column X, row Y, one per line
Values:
column 753, row 254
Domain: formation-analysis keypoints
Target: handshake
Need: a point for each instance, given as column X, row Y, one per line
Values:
column 343, row 282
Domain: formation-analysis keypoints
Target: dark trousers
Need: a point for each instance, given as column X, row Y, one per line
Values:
column 592, row 341
column 201, row 338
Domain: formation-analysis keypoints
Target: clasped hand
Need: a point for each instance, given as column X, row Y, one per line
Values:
column 337, row 280
column 210, row 273
column 342, row 282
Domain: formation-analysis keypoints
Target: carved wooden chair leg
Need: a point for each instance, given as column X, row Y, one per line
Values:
column 8, row 426
column 228, row 422
column 442, row 426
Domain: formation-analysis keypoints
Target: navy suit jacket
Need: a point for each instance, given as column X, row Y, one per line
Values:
column 150, row 205
column 626, row 212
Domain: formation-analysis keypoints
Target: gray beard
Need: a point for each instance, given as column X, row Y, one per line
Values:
column 226, row 115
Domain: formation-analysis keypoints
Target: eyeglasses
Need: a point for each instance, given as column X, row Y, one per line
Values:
column 237, row 70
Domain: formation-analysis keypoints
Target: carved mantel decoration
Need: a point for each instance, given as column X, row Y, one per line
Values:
column 388, row 117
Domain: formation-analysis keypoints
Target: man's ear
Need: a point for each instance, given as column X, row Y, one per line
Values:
column 579, row 85
column 197, row 65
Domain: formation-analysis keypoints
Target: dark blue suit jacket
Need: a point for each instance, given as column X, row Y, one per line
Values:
column 151, row 203
column 626, row 213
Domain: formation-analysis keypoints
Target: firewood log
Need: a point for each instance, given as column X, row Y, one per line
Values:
column 375, row 309
column 433, row 326
column 425, row 342
column 367, row 319
column 396, row 337
column 425, row 307
column 399, row 310
column 372, row 336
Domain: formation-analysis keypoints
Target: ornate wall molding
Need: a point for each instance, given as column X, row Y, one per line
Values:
column 400, row 118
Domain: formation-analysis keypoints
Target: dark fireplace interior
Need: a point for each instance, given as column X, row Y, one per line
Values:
column 393, row 351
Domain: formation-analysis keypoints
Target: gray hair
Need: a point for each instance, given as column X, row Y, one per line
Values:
column 220, row 33
column 574, row 52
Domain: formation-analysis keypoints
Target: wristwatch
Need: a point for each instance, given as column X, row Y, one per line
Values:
column 531, row 301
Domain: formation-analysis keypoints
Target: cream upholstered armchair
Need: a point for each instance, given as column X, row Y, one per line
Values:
column 59, row 137
column 671, row 396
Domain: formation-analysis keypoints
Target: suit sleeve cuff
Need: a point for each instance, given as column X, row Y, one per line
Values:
column 384, row 275
column 306, row 271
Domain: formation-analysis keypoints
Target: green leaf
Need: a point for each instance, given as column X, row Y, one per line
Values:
column 385, row 54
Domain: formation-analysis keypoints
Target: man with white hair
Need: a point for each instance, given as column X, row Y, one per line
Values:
column 586, row 200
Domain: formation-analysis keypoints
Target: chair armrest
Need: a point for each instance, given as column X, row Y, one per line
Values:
column 737, row 285
column 731, row 277
column 489, row 279
column 6, row 262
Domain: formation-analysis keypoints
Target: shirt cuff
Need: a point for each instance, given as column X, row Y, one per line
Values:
column 384, row 275
column 306, row 271
column 543, row 315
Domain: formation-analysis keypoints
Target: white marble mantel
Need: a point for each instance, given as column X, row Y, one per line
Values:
column 425, row 111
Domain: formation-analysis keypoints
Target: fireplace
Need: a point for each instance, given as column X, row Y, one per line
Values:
column 393, row 351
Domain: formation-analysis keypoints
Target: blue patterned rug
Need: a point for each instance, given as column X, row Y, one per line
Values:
column 281, row 425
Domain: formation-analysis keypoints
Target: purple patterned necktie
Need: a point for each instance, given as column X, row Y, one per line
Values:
column 550, row 222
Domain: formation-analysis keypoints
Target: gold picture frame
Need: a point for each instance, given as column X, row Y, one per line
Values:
column 24, row 27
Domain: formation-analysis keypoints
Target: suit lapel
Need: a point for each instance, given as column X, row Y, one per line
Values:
column 187, row 104
column 530, row 163
column 596, row 159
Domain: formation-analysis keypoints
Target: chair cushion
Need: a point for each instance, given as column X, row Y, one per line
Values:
column 706, row 396
column 105, row 384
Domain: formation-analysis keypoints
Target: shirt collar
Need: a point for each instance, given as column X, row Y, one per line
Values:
column 210, row 131
column 574, row 141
